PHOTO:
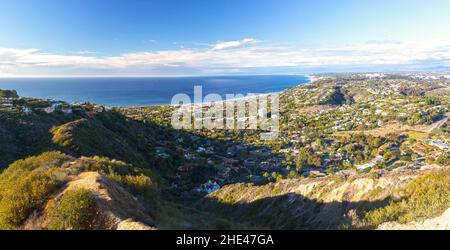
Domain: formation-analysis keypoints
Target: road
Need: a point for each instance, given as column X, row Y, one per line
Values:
column 439, row 123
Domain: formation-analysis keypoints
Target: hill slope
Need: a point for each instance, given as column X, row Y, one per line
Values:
column 361, row 201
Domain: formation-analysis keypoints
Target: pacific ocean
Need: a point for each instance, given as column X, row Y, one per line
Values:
column 140, row 91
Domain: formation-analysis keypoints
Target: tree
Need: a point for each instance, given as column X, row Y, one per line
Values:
column 8, row 94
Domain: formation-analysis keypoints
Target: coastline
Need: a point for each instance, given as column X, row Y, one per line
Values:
column 153, row 91
column 244, row 98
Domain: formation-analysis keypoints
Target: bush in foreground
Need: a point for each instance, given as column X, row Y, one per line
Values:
column 25, row 186
column 75, row 210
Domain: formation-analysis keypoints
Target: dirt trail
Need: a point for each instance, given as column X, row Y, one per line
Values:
column 118, row 209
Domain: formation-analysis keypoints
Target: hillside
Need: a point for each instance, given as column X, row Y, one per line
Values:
column 57, row 191
column 353, row 153
column 23, row 134
column 337, row 202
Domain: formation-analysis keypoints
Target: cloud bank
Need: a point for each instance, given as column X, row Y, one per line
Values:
column 248, row 55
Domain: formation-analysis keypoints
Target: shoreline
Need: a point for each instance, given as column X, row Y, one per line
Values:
column 244, row 98
column 278, row 84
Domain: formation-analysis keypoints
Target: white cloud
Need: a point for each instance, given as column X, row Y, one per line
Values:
column 85, row 52
column 233, row 44
column 223, row 57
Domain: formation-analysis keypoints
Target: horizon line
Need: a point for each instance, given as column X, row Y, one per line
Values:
column 305, row 74
column 148, row 76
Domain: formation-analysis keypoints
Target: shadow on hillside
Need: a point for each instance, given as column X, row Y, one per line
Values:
column 291, row 211
column 181, row 144
column 162, row 150
column 146, row 145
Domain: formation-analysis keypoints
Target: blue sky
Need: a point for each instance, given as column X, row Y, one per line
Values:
column 199, row 37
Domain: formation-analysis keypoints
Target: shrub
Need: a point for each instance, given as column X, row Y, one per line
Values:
column 25, row 186
column 135, row 180
column 422, row 198
column 140, row 185
column 19, row 199
column 443, row 160
column 76, row 210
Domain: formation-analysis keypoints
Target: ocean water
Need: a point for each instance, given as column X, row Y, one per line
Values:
column 138, row 91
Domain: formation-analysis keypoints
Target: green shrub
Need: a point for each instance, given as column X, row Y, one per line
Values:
column 76, row 210
column 25, row 186
column 443, row 160
column 140, row 185
column 424, row 197
column 18, row 200
column 135, row 180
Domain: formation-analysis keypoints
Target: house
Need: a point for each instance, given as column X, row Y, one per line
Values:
column 66, row 110
column 371, row 164
column 5, row 100
column 422, row 149
column 201, row 150
column 8, row 106
column 49, row 110
column 439, row 144
column 208, row 187
column 98, row 109
column 26, row 110
column 6, row 103
column 189, row 156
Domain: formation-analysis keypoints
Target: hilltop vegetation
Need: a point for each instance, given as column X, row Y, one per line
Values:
column 8, row 94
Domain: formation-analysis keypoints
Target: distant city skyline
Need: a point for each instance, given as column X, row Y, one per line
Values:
column 176, row 38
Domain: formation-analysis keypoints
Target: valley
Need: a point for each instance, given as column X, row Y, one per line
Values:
column 354, row 151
